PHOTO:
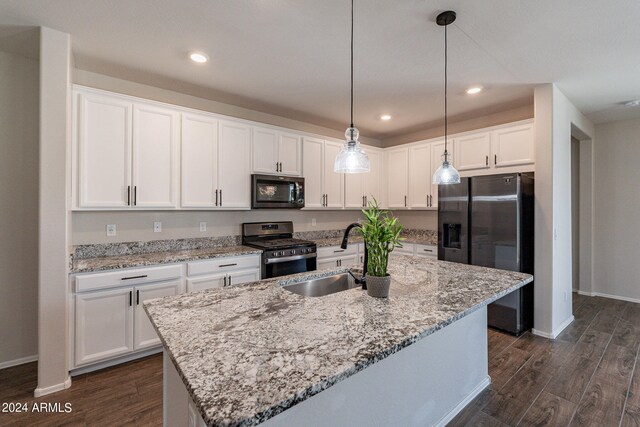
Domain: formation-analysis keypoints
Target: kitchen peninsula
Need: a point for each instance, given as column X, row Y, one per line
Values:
column 253, row 353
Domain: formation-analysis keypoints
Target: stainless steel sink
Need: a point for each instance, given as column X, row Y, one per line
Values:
column 323, row 286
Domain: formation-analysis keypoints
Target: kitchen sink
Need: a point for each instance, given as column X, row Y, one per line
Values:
column 323, row 286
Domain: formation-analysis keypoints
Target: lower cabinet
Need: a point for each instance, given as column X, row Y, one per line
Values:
column 222, row 272
column 111, row 323
column 335, row 256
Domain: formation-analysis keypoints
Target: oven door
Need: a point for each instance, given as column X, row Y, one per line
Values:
column 276, row 267
column 277, row 192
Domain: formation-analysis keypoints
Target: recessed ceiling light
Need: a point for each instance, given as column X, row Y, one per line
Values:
column 198, row 57
column 634, row 103
column 385, row 117
column 474, row 89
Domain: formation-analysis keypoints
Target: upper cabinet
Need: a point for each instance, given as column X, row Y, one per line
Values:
column 323, row 187
column 424, row 159
column 276, row 152
column 128, row 153
column 199, row 157
column 103, row 141
column 362, row 188
column 398, row 177
column 492, row 151
column 234, row 172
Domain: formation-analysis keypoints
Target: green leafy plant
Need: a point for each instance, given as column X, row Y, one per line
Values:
column 381, row 233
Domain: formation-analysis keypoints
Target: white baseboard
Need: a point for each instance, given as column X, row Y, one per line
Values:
column 553, row 335
column 20, row 361
column 117, row 361
column 455, row 411
column 42, row 391
column 599, row 294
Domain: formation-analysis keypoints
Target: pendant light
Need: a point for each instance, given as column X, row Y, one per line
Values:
column 446, row 174
column 352, row 158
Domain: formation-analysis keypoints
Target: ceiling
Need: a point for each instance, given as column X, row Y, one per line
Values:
column 291, row 57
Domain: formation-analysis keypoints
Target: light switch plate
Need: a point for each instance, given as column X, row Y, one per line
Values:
column 157, row 227
column 111, row 230
column 313, row 222
column 203, row 226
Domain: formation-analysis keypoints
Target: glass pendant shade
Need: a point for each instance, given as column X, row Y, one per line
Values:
column 352, row 158
column 446, row 174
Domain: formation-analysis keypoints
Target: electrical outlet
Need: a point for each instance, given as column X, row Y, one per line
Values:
column 157, row 227
column 313, row 222
column 203, row 226
column 111, row 230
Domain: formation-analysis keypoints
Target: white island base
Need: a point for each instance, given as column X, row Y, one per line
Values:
column 424, row 384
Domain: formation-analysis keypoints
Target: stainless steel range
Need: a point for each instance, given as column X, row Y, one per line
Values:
column 281, row 253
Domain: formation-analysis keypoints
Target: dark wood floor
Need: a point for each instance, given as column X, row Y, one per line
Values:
column 124, row 395
column 586, row 377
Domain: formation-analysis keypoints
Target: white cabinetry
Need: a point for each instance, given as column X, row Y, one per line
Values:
column 361, row 188
column 234, row 164
column 222, row 272
column 506, row 148
column 335, row 256
column 276, row 152
column 420, row 187
column 128, row 153
column 199, row 161
column 216, row 168
column 109, row 318
column 398, row 177
column 323, row 187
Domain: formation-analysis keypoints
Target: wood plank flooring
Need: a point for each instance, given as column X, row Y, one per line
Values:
column 124, row 395
column 588, row 376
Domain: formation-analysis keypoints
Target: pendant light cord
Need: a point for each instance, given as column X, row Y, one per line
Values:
column 446, row 153
column 352, row 65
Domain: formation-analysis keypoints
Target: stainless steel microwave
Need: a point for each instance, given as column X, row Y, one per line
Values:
column 277, row 192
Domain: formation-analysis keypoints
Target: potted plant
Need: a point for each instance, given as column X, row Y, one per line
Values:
column 381, row 233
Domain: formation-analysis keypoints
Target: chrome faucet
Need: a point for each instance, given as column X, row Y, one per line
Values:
column 362, row 280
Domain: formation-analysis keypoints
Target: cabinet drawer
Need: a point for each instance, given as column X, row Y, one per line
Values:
column 93, row 281
column 427, row 250
column 336, row 251
column 223, row 265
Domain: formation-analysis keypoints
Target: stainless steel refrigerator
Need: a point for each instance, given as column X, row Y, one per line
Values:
column 488, row 221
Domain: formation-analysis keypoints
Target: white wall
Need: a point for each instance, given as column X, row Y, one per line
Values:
column 617, row 205
column 556, row 118
column 18, row 208
column 54, row 194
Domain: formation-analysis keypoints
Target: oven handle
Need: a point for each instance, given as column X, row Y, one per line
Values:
column 289, row 258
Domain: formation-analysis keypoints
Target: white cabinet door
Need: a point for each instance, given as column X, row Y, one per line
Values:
column 354, row 190
column 265, row 151
column 199, row 161
column 333, row 182
column 144, row 335
column 234, row 160
column 155, row 156
column 206, row 282
column 513, row 146
column 398, row 172
column 420, row 176
column 240, row 277
column 473, row 152
column 348, row 261
column 104, row 151
column 437, row 151
column 371, row 181
column 290, row 154
column 312, row 161
column 104, row 325
column 327, row 263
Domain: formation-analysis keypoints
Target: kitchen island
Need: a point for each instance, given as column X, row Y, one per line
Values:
column 259, row 353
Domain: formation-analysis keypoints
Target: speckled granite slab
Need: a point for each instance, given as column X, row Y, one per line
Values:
column 136, row 248
column 334, row 237
column 248, row 353
column 166, row 257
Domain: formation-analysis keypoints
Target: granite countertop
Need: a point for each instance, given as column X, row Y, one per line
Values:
column 249, row 352
column 153, row 258
column 426, row 238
